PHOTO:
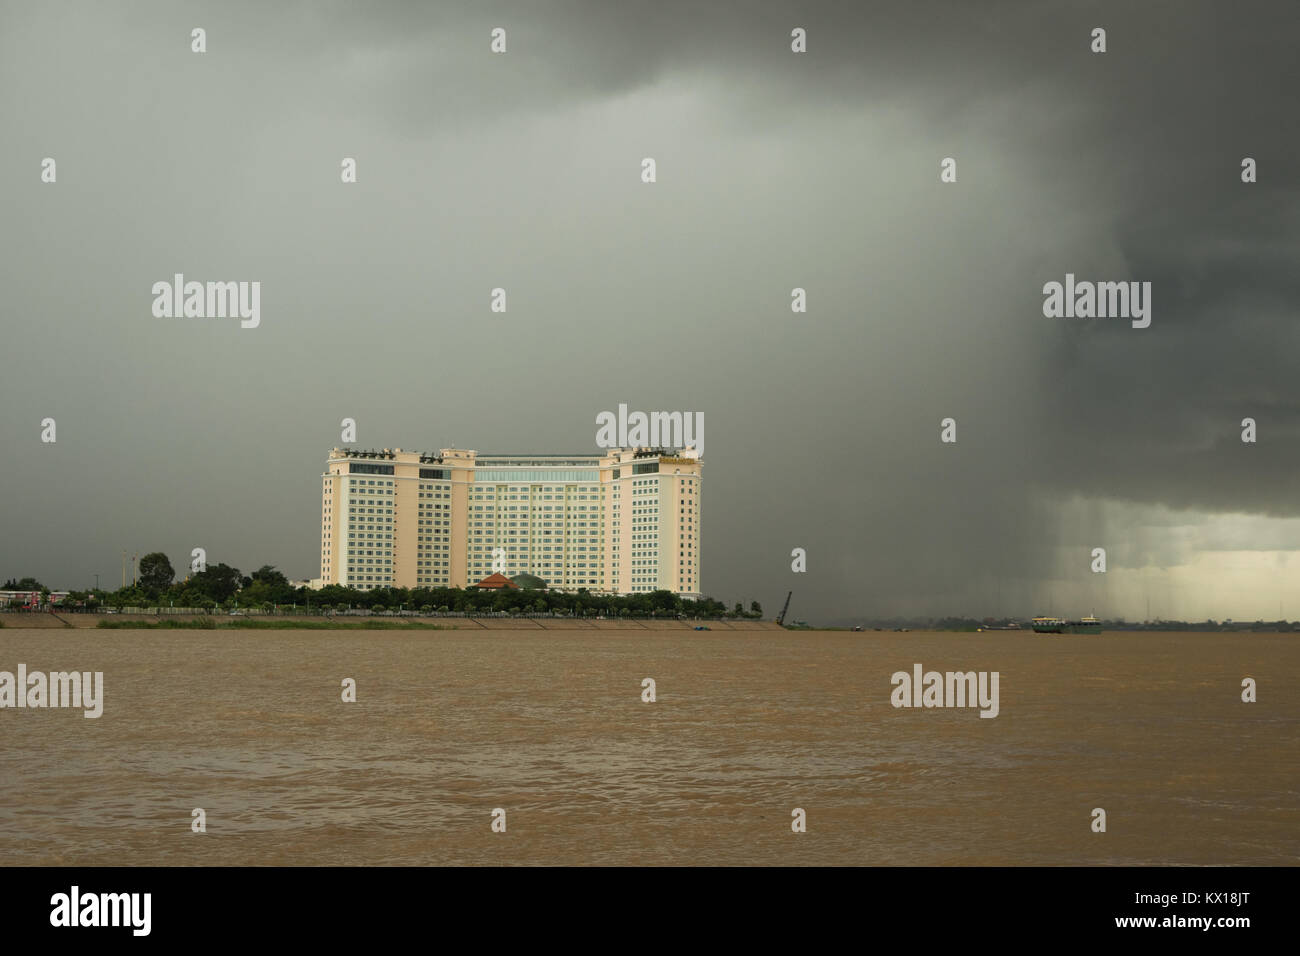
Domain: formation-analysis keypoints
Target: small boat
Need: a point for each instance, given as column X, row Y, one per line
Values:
column 702, row 627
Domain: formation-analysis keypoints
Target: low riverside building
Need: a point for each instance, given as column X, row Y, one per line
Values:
column 496, row 582
column 30, row 598
column 624, row 522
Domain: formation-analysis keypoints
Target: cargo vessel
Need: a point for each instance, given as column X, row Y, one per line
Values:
column 1056, row 625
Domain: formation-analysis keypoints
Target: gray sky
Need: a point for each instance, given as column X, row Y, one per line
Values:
column 775, row 170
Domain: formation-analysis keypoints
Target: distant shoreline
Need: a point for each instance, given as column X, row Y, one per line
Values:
column 341, row 622
column 345, row 622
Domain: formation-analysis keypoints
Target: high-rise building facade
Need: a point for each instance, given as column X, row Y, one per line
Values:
column 625, row 522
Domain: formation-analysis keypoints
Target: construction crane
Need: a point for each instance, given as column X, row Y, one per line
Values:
column 780, row 618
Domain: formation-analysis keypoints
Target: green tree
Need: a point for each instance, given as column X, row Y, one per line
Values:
column 156, row 572
column 269, row 575
column 129, row 596
column 23, row 584
column 266, row 585
column 219, row 582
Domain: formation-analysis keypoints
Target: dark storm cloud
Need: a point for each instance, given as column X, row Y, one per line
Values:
column 819, row 170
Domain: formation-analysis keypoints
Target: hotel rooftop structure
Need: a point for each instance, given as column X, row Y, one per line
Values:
column 625, row 522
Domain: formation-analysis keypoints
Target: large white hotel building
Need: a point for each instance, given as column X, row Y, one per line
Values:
column 624, row 522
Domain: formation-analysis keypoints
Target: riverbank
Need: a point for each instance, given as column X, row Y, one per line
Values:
column 349, row 622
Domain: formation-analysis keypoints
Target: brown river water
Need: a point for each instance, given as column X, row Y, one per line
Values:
column 551, row 727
